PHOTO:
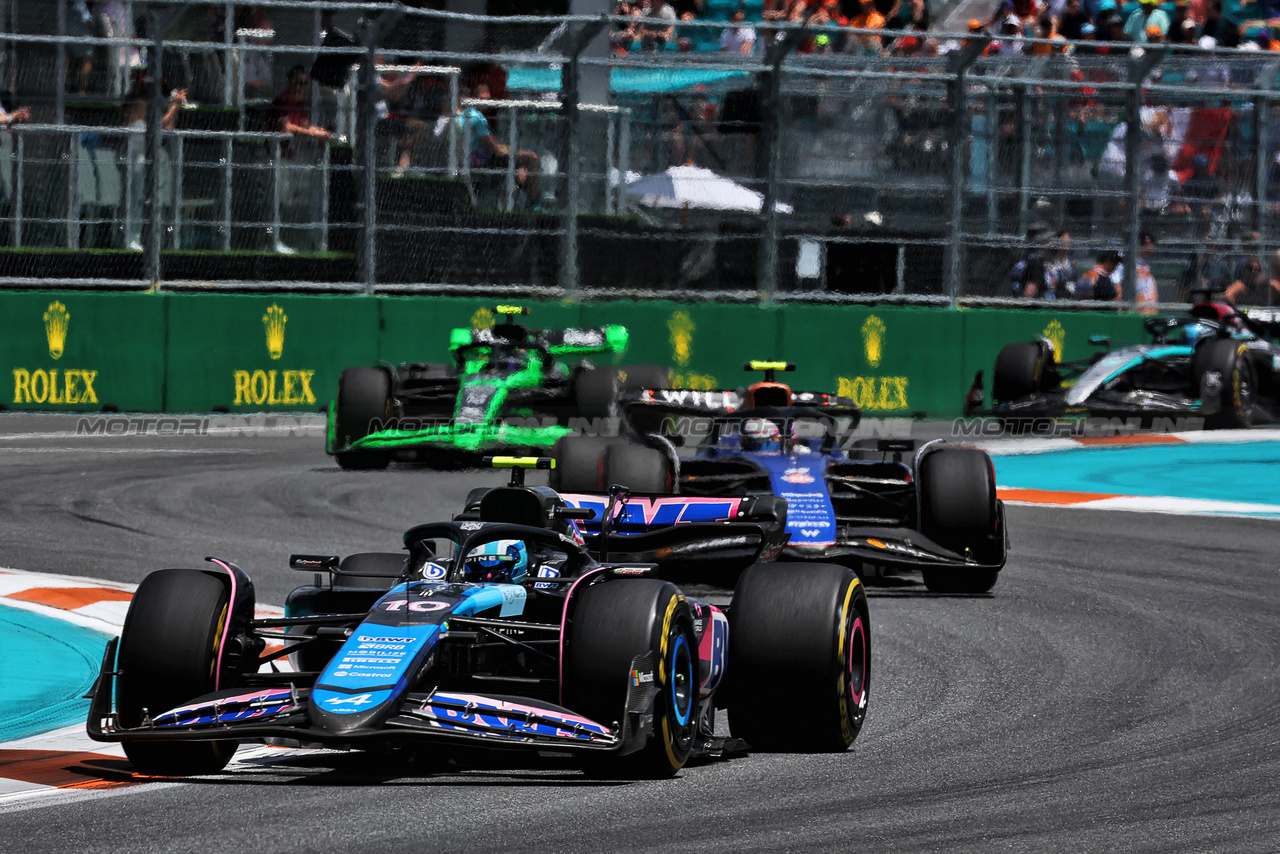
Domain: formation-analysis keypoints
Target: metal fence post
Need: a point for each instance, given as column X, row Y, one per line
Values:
column 513, row 146
column 277, row 182
column 176, row 181
column 60, row 90
column 228, row 39
column 1024, row 165
column 768, row 161
column 151, row 206
column 73, row 190
column 324, row 200
column 158, row 23
column 1142, row 61
column 226, row 195
column 371, row 31
column 570, row 87
column 957, row 65
column 17, row 192
column 1262, row 142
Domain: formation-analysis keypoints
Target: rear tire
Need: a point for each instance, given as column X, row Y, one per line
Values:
column 799, row 634
column 168, row 655
column 364, row 394
column 579, row 464
column 595, row 393
column 612, row 623
column 1022, row 369
column 958, row 512
column 1230, row 359
column 639, row 377
column 638, row 468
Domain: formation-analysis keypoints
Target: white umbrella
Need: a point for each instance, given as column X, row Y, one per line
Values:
column 695, row 187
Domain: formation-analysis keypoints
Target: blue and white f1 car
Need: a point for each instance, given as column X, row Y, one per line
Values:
column 772, row 459
column 500, row 631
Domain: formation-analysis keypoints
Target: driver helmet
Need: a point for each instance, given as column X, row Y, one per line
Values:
column 1193, row 332
column 761, row 434
column 499, row 561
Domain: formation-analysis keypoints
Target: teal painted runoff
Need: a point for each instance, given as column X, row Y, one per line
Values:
column 1248, row 471
column 47, row 667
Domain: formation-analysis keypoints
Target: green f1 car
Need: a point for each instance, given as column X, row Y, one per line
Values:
column 509, row 389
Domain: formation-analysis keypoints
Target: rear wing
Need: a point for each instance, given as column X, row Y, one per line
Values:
column 682, row 529
column 676, row 414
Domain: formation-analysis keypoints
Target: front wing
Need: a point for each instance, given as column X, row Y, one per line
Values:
column 438, row 716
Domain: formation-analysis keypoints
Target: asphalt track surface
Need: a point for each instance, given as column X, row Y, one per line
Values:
column 1117, row 691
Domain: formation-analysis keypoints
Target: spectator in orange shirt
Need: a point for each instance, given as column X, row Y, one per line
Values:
column 864, row 17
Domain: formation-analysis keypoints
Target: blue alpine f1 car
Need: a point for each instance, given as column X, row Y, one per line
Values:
column 780, row 462
column 498, row 631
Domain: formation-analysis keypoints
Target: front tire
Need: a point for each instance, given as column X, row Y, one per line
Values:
column 168, row 656
column 1022, row 369
column 613, row 622
column 1230, row 360
column 799, row 674
column 364, row 395
column 958, row 512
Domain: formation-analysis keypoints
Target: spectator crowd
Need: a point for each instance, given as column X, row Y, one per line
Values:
column 1086, row 26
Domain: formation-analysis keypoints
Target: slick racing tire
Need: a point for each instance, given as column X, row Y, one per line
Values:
column 1230, row 360
column 595, row 393
column 799, row 673
column 364, row 394
column 1022, row 369
column 639, row 377
column 579, row 463
column 958, row 512
column 168, row 654
column 638, row 468
column 375, row 562
column 612, row 623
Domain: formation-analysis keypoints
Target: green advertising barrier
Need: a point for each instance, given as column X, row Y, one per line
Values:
column 416, row 329
column 284, row 352
column 249, row 353
column 986, row 331
column 75, row 350
column 893, row 361
column 705, row 344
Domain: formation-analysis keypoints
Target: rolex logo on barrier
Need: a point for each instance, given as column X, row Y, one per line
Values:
column 1055, row 333
column 875, row 394
column 873, row 340
column 681, row 326
column 55, row 328
column 54, row 385
column 482, row 319
column 273, row 321
column 274, row 387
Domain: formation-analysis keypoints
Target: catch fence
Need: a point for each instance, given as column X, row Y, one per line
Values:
column 468, row 154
